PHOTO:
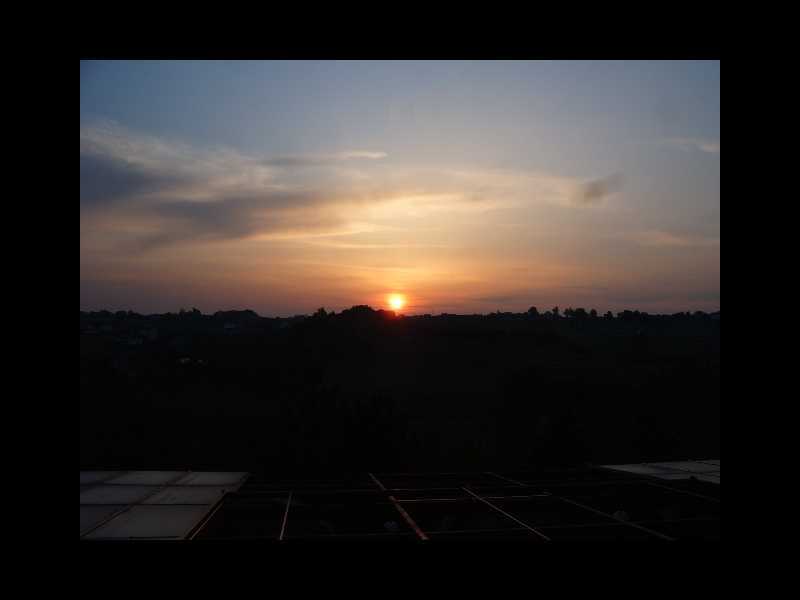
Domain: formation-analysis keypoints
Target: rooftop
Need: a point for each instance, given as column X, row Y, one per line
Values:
column 658, row 501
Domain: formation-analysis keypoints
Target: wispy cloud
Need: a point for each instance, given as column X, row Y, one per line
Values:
column 704, row 145
column 152, row 192
column 596, row 190
column 322, row 159
column 658, row 238
column 367, row 246
column 171, row 192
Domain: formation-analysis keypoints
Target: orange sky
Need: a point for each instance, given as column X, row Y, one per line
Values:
column 418, row 179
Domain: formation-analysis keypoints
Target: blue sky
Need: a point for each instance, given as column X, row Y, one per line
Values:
column 304, row 184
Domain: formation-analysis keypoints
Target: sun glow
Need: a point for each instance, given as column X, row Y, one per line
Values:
column 397, row 301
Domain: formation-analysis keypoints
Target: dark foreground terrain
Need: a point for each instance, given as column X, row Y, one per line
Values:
column 365, row 390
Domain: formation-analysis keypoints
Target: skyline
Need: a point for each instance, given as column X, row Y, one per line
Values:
column 466, row 187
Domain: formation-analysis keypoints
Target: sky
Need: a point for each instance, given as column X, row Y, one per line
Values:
column 465, row 187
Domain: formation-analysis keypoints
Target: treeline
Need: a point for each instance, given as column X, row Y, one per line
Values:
column 367, row 390
column 366, row 310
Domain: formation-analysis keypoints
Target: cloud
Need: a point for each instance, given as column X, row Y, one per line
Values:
column 367, row 246
column 106, row 180
column 704, row 145
column 502, row 300
column 593, row 192
column 712, row 147
column 658, row 238
column 322, row 159
column 151, row 192
column 167, row 192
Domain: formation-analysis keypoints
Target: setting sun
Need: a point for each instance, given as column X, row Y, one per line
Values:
column 396, row 301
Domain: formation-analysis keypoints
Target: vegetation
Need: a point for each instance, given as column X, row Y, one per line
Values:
column 369, row 390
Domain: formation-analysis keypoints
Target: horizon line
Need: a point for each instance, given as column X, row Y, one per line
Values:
column 185, row 310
